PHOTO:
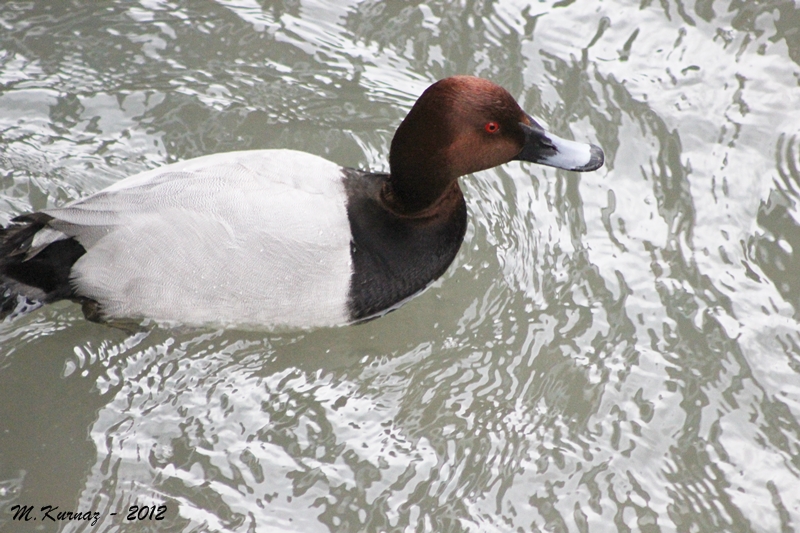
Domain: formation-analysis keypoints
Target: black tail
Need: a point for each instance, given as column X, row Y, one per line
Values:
column 28, row 280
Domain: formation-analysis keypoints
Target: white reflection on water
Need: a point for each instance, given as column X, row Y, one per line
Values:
column 617, row 350
column 233, row 443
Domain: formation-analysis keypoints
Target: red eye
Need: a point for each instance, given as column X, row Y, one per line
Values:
column 492, row 127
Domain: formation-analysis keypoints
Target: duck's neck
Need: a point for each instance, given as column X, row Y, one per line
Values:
column 420, row 173
column 451, row 195
column 412, row 191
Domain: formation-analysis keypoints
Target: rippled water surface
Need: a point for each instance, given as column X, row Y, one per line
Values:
column 610, row 351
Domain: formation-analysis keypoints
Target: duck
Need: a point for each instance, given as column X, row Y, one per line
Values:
column 279, row 238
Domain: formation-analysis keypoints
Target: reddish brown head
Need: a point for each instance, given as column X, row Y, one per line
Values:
column 462, row 125
column 458, row 126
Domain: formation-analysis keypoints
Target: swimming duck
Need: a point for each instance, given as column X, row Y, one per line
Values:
column 280, row 238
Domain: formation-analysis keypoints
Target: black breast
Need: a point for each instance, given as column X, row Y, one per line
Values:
column 395, row 257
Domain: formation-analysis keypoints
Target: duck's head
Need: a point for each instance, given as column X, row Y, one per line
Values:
column 465, row 124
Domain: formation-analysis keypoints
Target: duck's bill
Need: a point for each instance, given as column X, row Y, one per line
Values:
column 544, row 148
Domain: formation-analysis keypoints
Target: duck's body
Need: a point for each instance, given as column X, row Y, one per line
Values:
column 279, row 237
column 228, row 235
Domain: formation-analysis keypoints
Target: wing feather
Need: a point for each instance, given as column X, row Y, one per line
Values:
column 258, row 237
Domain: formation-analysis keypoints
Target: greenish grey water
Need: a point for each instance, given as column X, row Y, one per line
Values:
column 611, row 351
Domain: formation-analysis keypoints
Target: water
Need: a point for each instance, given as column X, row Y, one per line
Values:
column 611, row 351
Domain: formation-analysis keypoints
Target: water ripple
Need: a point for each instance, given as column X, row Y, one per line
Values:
column 615, row 350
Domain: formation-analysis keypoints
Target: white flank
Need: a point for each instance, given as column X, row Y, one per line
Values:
column 249, row 238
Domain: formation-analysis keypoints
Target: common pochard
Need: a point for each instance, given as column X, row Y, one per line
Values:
column 280, row 237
